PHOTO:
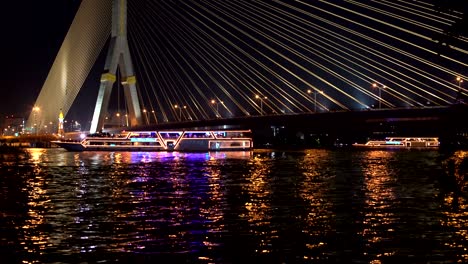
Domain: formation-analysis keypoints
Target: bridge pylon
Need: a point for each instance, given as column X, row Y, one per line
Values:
column 118, row 56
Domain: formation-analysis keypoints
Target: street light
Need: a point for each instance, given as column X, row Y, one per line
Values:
column 154, row 116
column 375, row 85
column 180, row 112
column 146, row 115
column 459, row 80
column 188, row 117
column 36, row 109
column 119, row 119
column 315, row 98
column 217, row 106
column 261, row 102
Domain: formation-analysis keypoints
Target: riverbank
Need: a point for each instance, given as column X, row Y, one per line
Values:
column 27, row 141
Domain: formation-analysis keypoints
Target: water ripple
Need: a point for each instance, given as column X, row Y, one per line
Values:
column 313, row 206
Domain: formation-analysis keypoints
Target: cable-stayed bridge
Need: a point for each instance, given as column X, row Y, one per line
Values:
column 212, row 60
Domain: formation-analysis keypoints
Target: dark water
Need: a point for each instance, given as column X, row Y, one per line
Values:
column 313, row 206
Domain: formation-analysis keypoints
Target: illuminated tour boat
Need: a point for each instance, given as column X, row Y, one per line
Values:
column 402, row 142
column 206, row 140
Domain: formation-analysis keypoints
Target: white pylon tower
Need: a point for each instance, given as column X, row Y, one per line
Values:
column 118, row 55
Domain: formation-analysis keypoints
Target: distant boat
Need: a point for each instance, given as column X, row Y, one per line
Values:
column 169, row 140
column 402, row 142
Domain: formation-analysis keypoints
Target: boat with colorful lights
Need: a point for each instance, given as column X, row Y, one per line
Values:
column 401, row 143
column 169, row 140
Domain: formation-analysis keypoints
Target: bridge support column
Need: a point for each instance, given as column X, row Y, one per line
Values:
column 102, row 103
column 132, row 100
column 118, row 58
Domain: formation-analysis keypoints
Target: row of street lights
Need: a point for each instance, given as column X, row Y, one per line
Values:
column 262, row 98
column 381, row 86
column 258, row 97
column 120, row 122
column 48, row 128
column 177, row 107
column 214, row 102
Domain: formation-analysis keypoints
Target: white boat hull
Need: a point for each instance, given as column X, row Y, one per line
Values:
column 164, row 141
column 402, row 143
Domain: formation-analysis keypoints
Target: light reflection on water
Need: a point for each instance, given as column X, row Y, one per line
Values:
column 313, row 206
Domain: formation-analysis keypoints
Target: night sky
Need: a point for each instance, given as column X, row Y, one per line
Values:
column 167, row 39
column 33, row 33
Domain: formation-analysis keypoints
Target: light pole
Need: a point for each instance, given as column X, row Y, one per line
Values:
column 217, row 107
column 459, row 80
column 154, row 116
column 261, row 102
column 180, row 111
column 36, row 109
column 375, row 85
column 187, row 114
column 118, row 118
column 315, row 99
column 146, row 116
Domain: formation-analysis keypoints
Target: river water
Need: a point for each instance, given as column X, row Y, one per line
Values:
column 264, row 206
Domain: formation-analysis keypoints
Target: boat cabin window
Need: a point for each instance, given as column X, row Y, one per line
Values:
column 144, row 135
column 170, row 135
column 238, row 134
column 221, row 134
column 190, row 134
column 100, row 135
